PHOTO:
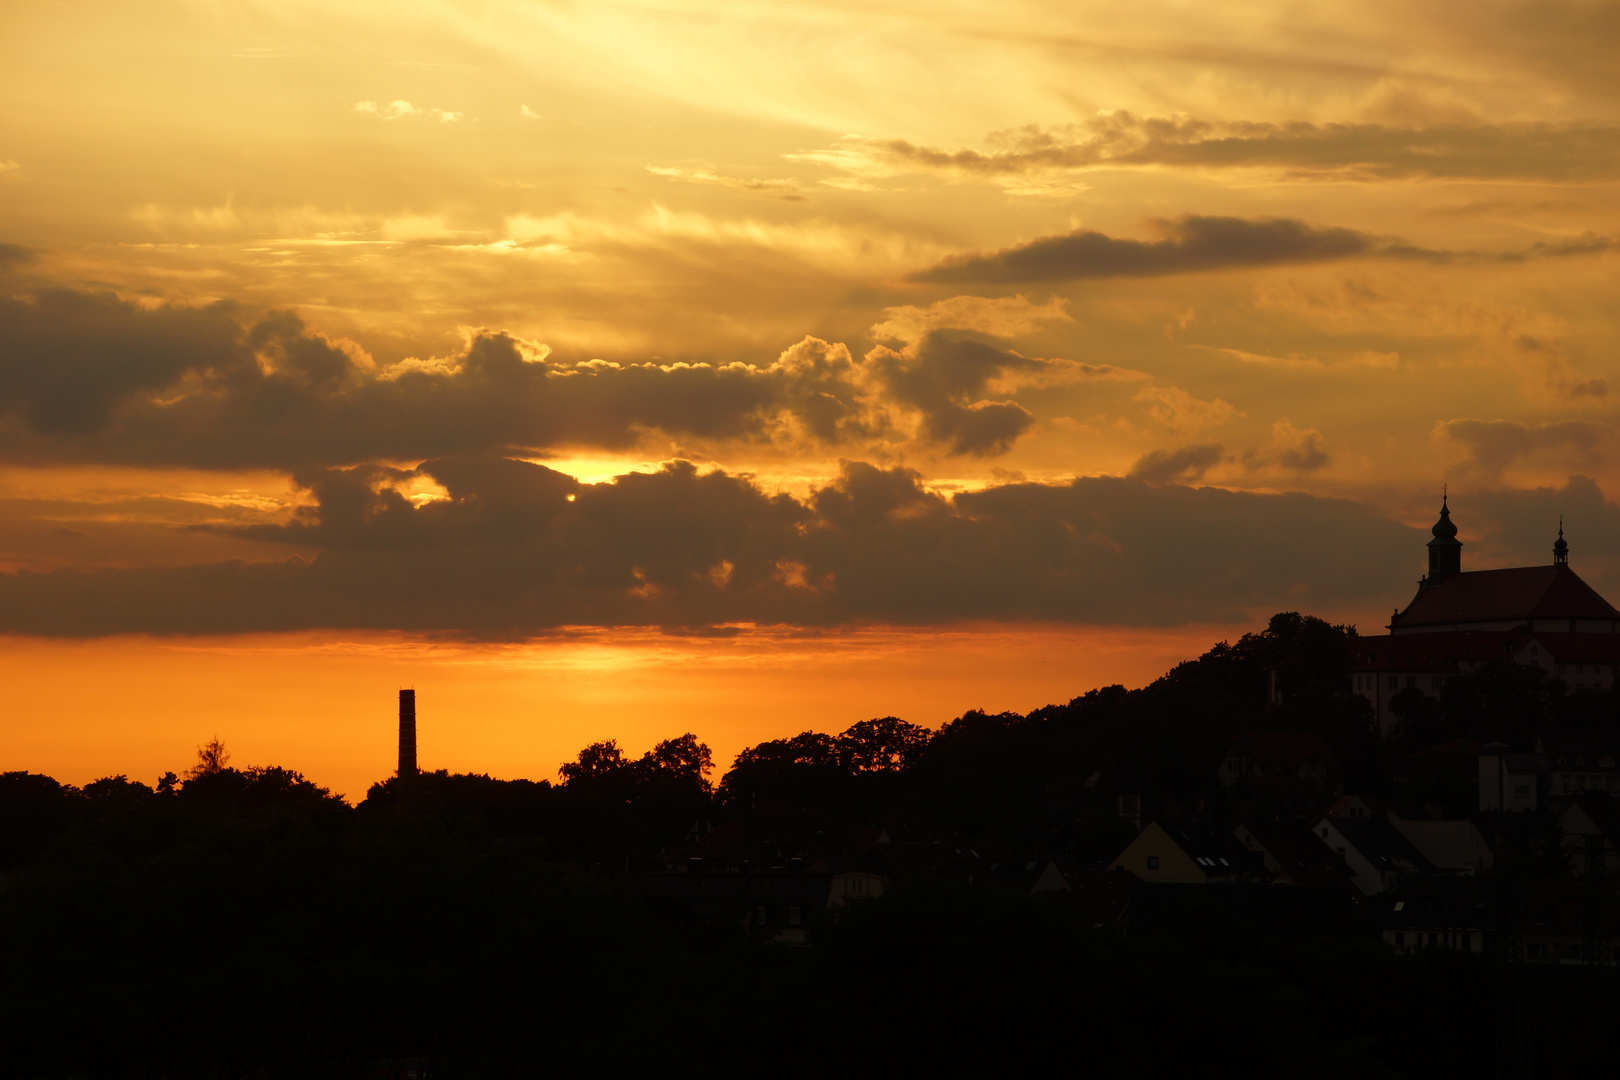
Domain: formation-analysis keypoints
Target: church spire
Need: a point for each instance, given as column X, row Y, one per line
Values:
column 1560, row 548
column 1445, row 550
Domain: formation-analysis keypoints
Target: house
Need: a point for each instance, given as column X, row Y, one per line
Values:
column 1580, row 762
column 1291, row 853
column 1377, row 856
column 1459, row 620
column 1186, row 853
column 1282, row 766
column 1592, row 824
column 1437, row 912
column 1509, row 781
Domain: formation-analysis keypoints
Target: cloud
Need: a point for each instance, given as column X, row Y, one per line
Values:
column 946, row 376
column 1297, row 149
column 68, row 358
column 1185, row 465
column 399, row 110
column 1004, row 317
column 517, row 549
column 1190, row 244
column 1294, row 449
column 1496, row 444
column 1180, row 411
column 88, row 377
column 526, row 113
column 9, row 169
column 785, row 189
column 1195, row 244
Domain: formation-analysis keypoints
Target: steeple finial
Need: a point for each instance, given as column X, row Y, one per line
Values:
column 1560, row 548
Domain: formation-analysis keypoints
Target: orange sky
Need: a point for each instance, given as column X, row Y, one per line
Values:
column 326, row 705
column 462, row 322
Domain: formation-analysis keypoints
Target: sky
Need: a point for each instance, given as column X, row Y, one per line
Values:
column 622, row 369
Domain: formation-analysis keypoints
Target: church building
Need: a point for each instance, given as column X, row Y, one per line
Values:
column 1460, row 619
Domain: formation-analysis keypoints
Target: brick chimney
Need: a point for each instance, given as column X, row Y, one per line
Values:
column 407, row 734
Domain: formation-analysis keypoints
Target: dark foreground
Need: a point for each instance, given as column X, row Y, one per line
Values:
column 248, row 924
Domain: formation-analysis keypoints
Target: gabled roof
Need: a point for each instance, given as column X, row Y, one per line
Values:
column 1380, row 843
column 1516, row 594
column 1215, row 850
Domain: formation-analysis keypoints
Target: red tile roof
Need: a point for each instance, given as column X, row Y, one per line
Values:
column 1517, row 594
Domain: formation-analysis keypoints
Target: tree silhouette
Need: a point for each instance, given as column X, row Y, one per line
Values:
column 212, row 757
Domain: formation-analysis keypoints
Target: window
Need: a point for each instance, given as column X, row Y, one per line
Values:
column 1580, row 669
column 1400, row 940
column 1435, row 682
column 857, row 886
column 1324, row 832
column 1411, row 680
column 1522, row 791
column 759, row 915
column 1394, row 682
column 1153, row 862
column 793, row 915
column 1466, row 942
column 1560, row 669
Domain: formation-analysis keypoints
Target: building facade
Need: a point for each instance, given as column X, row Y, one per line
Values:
column 1461, row 620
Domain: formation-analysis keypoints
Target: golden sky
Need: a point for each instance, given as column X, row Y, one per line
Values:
column 465, row 323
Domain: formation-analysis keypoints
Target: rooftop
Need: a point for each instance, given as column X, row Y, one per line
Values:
column 1518, row 594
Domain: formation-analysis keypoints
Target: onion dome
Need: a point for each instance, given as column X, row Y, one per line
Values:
column 1444, row 529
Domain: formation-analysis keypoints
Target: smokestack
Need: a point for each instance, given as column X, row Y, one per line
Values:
column 407, row 734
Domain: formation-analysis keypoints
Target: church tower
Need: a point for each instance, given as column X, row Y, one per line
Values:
column 1560, row 548
column 1445, row 550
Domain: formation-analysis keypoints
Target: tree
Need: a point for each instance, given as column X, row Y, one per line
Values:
column 888, row 745
column 683, row 760
column 212, row 757
column 598, row 760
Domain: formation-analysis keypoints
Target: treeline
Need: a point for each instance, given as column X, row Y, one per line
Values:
column 235, row 922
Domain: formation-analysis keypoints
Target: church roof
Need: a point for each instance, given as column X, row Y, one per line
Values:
column 1518, row 594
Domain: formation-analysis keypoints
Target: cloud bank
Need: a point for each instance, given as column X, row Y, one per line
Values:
column 518, row 549
column 90, row 377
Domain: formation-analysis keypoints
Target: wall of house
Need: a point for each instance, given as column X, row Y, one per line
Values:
column 1154, row 856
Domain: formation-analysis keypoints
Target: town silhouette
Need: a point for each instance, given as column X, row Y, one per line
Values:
column 1307, row 852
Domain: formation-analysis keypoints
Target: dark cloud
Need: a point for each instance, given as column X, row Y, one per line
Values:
column 14, row 255
column 1521, row 151
column 518, row 549
column 91, row 377
column 88, row 377
column 1177, row 466
column 1194, row 244
column 1496, row 444
column 945, row 376
column 1190, row 244
column 68, row 358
